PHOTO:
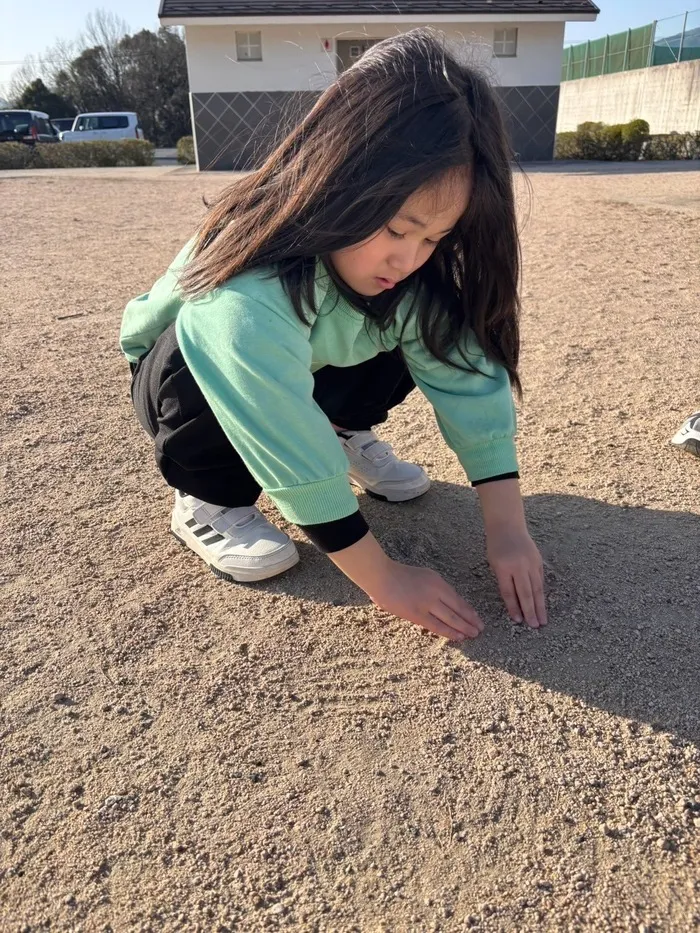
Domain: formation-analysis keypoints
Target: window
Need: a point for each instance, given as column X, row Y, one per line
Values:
column 15, row 121
column 249, row 46
column 505, row 43
column 87, row 123
column 42, row 127
column 113, row 122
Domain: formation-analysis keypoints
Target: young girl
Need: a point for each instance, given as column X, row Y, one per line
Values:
column 374, row 251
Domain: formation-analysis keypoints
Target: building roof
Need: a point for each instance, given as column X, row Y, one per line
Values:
column 187, row 9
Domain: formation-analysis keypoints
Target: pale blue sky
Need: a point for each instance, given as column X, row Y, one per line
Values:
column 27, row 28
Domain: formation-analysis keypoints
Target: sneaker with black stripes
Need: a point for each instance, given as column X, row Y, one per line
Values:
column 239, row 545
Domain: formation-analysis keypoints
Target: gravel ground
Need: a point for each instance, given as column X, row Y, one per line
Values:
column 178, row 753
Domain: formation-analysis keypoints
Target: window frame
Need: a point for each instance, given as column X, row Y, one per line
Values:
column 502, row 40
column 243, row 40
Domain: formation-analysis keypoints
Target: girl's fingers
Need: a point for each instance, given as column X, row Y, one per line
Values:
column 454, row 602
column 507, row 587
column 526, row 599
column 456, row 622
column 436, row 625
column 540, row 602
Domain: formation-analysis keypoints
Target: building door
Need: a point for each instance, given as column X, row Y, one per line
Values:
column 349, row 50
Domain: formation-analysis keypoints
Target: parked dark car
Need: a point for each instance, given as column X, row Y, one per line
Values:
column 60, row 124
column 26, row 126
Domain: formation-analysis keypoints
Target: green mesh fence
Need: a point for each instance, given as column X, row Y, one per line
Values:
column 675, row 39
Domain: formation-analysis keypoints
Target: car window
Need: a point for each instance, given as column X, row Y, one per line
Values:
column 42, row 126
column 15, row 121
column 88, row 123
column 116, row 121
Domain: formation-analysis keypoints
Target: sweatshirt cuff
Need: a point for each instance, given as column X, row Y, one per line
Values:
column 326, row 500
column 494, row 459
column 334, row 536
column 495, row 479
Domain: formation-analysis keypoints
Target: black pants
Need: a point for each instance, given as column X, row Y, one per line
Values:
column 193, row 453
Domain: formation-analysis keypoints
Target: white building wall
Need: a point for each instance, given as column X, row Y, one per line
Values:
column 294, row 58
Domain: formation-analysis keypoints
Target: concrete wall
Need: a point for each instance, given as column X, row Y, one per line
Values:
column 294, row 58
column 666, row 96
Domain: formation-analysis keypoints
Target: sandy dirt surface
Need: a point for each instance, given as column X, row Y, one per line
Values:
column 178, row 753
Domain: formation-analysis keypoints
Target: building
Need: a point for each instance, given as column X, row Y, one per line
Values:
column 256, row 65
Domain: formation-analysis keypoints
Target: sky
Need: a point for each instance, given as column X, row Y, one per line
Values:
column 29, row 27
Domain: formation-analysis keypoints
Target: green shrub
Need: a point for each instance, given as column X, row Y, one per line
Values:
column 634, row 135
column 567, row 146
column 99, row 153
column 14, row 155
column 625, row 142
column 671, row 146
column 185, row 150
column 635, row 129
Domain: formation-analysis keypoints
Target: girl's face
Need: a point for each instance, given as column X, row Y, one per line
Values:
column 407, row 241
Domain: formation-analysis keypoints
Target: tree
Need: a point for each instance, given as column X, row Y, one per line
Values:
column 87, row 81
column 155, row 81
column 36, row 96
column 105, row 68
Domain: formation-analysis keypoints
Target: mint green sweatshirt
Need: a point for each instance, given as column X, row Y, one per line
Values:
column 254, row 360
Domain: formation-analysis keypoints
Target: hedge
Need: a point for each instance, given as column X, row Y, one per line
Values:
column 185, row 150
column 624, row 142
column 673, row 146
column 96, row 154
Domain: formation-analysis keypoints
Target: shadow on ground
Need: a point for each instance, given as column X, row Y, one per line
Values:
column 623, row 590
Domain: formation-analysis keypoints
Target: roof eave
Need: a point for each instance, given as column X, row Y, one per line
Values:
column 225, row 20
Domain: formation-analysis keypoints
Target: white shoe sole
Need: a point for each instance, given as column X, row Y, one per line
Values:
column 391, row 494
column 289, row 556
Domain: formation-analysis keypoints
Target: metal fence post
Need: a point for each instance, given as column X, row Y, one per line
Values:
column 625, row 61
column 680, row 47
column 605, row 54
column 650, row 60
column 585, row 61
column 568, row 65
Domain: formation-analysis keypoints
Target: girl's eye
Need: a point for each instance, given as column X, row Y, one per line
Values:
column 401, row 236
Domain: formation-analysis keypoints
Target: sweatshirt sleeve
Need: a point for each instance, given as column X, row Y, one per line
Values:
column 474, row 410
column 252, row 363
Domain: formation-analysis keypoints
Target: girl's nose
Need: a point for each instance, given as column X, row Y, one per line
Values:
column 404, row 260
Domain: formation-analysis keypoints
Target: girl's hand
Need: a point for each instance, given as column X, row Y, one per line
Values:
column 422, row 596
column 517, row 564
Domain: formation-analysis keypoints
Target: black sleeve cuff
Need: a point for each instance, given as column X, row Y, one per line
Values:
column 334, row 536
column 493, row 479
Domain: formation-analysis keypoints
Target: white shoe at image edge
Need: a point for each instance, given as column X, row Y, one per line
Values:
column 687, row 437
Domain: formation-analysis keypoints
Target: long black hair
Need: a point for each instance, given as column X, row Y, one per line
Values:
column 405, row 116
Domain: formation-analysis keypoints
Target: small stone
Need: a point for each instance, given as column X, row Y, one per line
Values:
column 276, row 909
column 62, row 699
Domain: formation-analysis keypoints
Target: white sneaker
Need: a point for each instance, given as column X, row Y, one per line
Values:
column 239, row 544
column 688, row 435
column 375, row 467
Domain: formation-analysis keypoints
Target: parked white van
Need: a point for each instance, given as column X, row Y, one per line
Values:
column 89, row 126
